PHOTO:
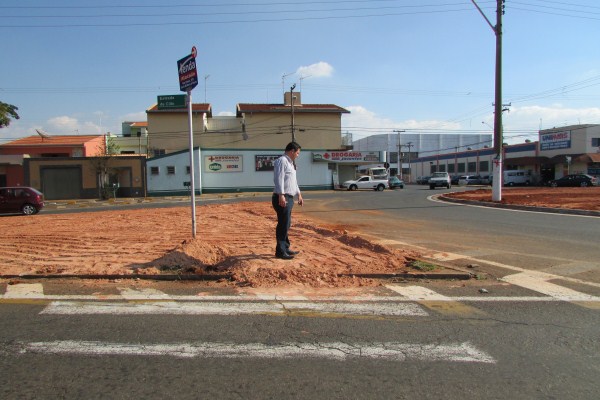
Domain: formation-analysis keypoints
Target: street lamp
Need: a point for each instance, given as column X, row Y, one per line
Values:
column 292, row 103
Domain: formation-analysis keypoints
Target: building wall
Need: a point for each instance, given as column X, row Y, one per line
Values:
column 244, row 178
column 425, row 144
column 130, row 171
column 580, row 140
column 170, row 131
column 273, row 130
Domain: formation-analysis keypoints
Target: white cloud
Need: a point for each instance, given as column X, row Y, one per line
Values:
column 226, row 114
column 134, row 117
column 65, row 125
column 521, row 120
column 318, row 70
column 362, row 122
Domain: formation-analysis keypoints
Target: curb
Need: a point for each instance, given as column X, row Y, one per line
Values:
column 551, row 210
column 205, row 277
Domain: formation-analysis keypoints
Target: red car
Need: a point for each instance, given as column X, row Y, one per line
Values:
column 19, row 199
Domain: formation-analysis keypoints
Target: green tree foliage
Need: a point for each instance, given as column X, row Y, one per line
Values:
column 7, row 111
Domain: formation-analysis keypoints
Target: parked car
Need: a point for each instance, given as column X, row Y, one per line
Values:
column 454, row 179
column 582, row 180
column 423, row 180
column 441, row 179
column 395, row 182
column 19, row 199
column 469, row 180
column 487, row 179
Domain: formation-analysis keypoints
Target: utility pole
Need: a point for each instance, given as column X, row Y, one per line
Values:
column 497, row 167
column 292, row 103
column 409, row 145
column 399, row 153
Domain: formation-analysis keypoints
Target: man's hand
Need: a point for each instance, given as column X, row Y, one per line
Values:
column 282, row 201
column 300, row 200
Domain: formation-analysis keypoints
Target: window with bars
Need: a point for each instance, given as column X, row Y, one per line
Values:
column 170, row 170
column 154, row 170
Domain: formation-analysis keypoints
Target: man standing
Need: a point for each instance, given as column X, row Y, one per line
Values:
column 286, row 187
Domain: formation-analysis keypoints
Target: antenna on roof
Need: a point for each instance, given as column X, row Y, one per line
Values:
column 43, row 134
column 302, row 78
column 283, row 80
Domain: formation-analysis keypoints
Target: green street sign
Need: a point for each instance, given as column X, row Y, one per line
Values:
column 170, row 102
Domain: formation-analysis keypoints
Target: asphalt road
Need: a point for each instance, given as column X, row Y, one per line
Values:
column 532, row 335
column 565, row 245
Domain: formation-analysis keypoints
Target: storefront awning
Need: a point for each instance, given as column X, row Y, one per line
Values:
column 532, row 160
column 588, row 158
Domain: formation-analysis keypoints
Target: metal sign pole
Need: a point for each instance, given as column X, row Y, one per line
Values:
column 188, row 80
column 192, row 180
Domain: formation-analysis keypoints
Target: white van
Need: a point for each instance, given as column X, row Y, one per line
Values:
column 375, row 172
column 517, row 177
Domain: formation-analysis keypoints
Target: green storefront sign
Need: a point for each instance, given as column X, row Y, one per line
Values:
column 170, row 102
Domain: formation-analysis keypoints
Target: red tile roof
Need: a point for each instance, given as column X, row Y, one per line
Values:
column 280, row 108
column 67, row 140
column 142, row 123
column 196, row 107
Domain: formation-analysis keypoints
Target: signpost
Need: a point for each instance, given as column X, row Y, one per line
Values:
column 169, row 102
column 188, row 80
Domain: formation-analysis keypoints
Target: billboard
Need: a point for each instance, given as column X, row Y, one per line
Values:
column 265, row 162
column 555, row 140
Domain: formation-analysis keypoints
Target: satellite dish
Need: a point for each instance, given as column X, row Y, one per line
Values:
column 42, row 133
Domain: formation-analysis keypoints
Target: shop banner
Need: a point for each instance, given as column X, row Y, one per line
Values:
column 223, row 163
column 347, row 156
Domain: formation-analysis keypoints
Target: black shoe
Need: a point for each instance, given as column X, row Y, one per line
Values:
column 292, row 252
column 284, row 256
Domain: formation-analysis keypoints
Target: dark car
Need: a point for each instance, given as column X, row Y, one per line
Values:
column 395, row 182
column 423, row 180
column 18, row 199
column 454, row 179
column 581, row 180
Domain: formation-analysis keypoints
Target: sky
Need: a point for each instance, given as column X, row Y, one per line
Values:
column 423, row 66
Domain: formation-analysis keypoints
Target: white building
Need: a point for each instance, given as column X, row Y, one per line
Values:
column 415, row 145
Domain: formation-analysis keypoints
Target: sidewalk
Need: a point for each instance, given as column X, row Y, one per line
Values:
column 89, row 203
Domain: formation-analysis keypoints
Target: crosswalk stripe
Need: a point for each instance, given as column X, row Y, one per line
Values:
column 24, row 291
column 538, row 282
column 231, row 308
column 142, row 294
column 390, row 351
column 435, row 301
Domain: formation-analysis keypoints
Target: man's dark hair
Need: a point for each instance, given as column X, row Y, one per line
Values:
column 292, row 146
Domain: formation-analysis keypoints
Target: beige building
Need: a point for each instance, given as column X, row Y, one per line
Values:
column 255, row 126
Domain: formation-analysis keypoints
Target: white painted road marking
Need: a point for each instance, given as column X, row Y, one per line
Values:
column 24, row 291
column 390, row 351
column 231, row 308
column 537, row 281
column 417, row 293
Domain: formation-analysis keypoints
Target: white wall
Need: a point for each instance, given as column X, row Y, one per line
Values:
column 311, row 175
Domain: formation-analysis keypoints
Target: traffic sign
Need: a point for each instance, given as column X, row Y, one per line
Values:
column 188, row 75
column 170, row 102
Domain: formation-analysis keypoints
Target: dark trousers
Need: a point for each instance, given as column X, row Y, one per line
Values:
column 284, row 221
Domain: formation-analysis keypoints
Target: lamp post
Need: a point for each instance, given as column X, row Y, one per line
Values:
column 292, row 103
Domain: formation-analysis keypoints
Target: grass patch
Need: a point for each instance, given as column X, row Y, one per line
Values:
column 423, row 266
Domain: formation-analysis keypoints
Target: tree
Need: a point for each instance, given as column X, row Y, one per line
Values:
column 7, row 111
column 106, row 173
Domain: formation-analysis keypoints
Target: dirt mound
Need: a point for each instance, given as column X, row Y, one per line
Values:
column 237, row 240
